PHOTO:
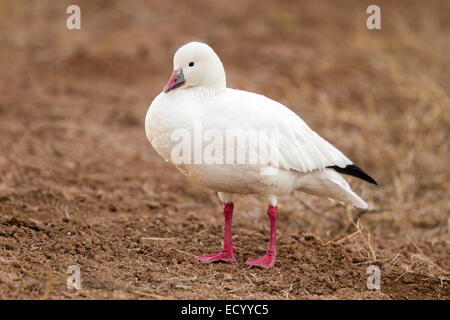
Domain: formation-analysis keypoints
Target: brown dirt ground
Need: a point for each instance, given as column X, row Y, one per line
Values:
column 79, row 183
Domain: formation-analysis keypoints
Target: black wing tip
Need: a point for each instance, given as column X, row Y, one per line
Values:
column 355, row 171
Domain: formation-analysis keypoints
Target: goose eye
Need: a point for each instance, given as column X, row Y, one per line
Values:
column 191, row 64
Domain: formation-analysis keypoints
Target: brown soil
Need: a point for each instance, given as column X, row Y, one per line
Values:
column 80, row 184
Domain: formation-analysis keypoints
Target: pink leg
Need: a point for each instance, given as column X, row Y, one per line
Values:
column 268, row 260
column 227, row 254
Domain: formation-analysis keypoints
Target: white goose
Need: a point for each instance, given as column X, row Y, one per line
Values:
column 190, row 122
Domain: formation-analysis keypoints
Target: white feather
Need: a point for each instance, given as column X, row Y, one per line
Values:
column 303, row 155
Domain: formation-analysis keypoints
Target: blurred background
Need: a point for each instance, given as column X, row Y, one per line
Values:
column 80, row 184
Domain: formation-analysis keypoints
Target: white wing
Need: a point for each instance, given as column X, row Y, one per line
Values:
column 300, row 148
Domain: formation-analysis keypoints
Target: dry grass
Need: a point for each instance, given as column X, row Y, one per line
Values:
column 72, row 144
